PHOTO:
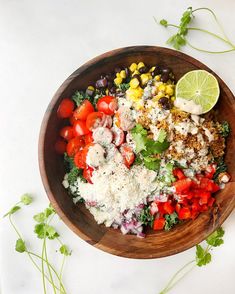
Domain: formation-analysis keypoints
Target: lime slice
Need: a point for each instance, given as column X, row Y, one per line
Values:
column 197, row 92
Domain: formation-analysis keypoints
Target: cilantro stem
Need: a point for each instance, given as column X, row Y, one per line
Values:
column 62, row 265
column 207, row 51
column 173, row 281
column 42, row 262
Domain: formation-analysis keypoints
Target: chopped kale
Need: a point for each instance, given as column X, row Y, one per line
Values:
column 225, row 129
column 145, row 217
column 171, row 220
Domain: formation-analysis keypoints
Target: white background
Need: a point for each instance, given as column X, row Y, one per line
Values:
column 41, row 44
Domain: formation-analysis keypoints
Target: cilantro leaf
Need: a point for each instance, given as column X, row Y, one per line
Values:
column 46, row 230
column 161, row 136
column 139, row 129
column 152, row 163
column 146, row 217
column 163, row 22
column 26, row 199
column 79, row 96
column 202, row 256
column 40, row 217
column 64, row 250
column 171, row 220
column 124, row 86
column 20, row 246
column 155, row 147
column 221, row 167
column 12, row 210
column 225, row 129
column 68, row 161
column 140, row 142
column 39, row 230
column 215, row 239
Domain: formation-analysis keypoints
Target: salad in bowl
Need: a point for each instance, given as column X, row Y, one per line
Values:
column 142, row 149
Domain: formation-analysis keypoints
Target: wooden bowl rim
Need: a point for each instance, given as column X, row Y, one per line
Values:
column 41, row 142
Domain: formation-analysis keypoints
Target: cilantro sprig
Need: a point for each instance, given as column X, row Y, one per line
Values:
column 203, row 257
column 180, row 39
column 43, row 230
column 148, row 148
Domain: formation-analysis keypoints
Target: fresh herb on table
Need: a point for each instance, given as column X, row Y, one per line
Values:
column 180, row 39
column 44, row 230
column 148, row 148
column 203, row 257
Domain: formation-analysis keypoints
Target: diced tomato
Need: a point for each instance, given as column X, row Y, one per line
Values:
column 67, row 133
column 168, row 207
column 204, row 207
column 215, row 188
column 195, row 205
column 177, row 207
column 80, row 129
column 107, row 105
column 211, row 202
column 209, row 185
column 159, row 223
column 74, row 145
column 153, row 208
column 79, row 159
column 184, row 213
column 60, row 146
column 95, row 120
column 204, row 197
column 87, row 174
column 118, row 136
column 210, row 171
column 65, row 108
column 178, row 173
column 161, row 210
column 182, row 185
column 83, row 110
column 88, row 138
column 127, row 154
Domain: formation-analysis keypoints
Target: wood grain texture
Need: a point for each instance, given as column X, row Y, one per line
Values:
column 77, row 217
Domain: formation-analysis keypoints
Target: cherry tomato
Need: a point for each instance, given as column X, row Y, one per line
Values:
column 79, row 159
column 95, row 120
column 60, row 146
column 72, row 120
column 107, row 105
column 88, row 138
column 82, row 111
column 74, row 145
column 67, row 133
column 65, row 108
column 159, row 223
column 127, row 154
column 80, row 129
column 118, row 136
column 87, row 174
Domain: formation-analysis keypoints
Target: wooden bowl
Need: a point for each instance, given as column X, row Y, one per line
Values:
column 77, row 217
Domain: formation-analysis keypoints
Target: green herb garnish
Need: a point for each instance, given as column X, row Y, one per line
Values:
column 225, row 129
column 220, row 168
column 179, row 39
column 79, row 96
column 146, row 217
column 171, row 220
column 124, row 86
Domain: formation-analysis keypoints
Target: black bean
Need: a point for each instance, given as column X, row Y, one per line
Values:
column 136, row 76
column 166, row 70
column 157, row 71
column 127, row 71
column 101, row 83
column 165, row 103
column 165, row 77
column 110, row 84
column 110, row 76
column 102, row 76
column 143, row 69
column 112, row 90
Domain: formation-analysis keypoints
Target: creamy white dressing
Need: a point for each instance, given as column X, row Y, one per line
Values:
column 188, row 106
column 95, row 155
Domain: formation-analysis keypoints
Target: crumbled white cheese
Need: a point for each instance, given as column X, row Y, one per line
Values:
column 208, row 134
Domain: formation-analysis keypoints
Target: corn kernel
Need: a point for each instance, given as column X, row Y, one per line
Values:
column 118, row 75
column 152, row 68
column 144, row 78
column 106, row 91
column 158, row 96
column 157, row 78
column 172, row 98
column 139, row 105
column 140, row 64
column 169, row 90
column 133, row 67
column 134, row 83
column 134, row 94
column 136, row 72
column 162, row 88
column 90, row 88
column 123, row 74
column 118, row 81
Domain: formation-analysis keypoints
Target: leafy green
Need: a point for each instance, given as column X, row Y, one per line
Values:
column 163, row 22
column 124, row 86
column 225, row 129
column 64, row 250
column 220, row 168
column 171, row 220
column 146, row 217
column 215, row 239
column 202, row 256
column 20, row 246
column 151, row 163
column 68, row 161
column 26, row 199
column 166, row 173
column 46, row 230
column 161, row 135
column 79, row 96
column 12, row 210
column 72, row 171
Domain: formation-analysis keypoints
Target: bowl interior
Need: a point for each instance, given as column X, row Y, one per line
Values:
column 77, row 217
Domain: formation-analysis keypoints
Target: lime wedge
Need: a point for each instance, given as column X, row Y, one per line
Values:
column 197, row 92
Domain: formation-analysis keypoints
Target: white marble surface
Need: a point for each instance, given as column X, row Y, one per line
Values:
column 42, row 42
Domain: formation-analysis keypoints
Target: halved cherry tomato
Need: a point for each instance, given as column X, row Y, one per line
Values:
column 74, row 145
column 177, row 172
column 118, row 136
column 79, row 159
column 107, row 105
column 87, row 174
column 85, row 151
column 65, row 108
column 95, row 120
column 80, row 129
column 127, row 154
column 168, row 207
column 60, row 146
column 184, row 213
column 67, row 133
column 83, row 110
column 88, row 138
column 159, row 223
column 182, row 185
column 72, row 120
